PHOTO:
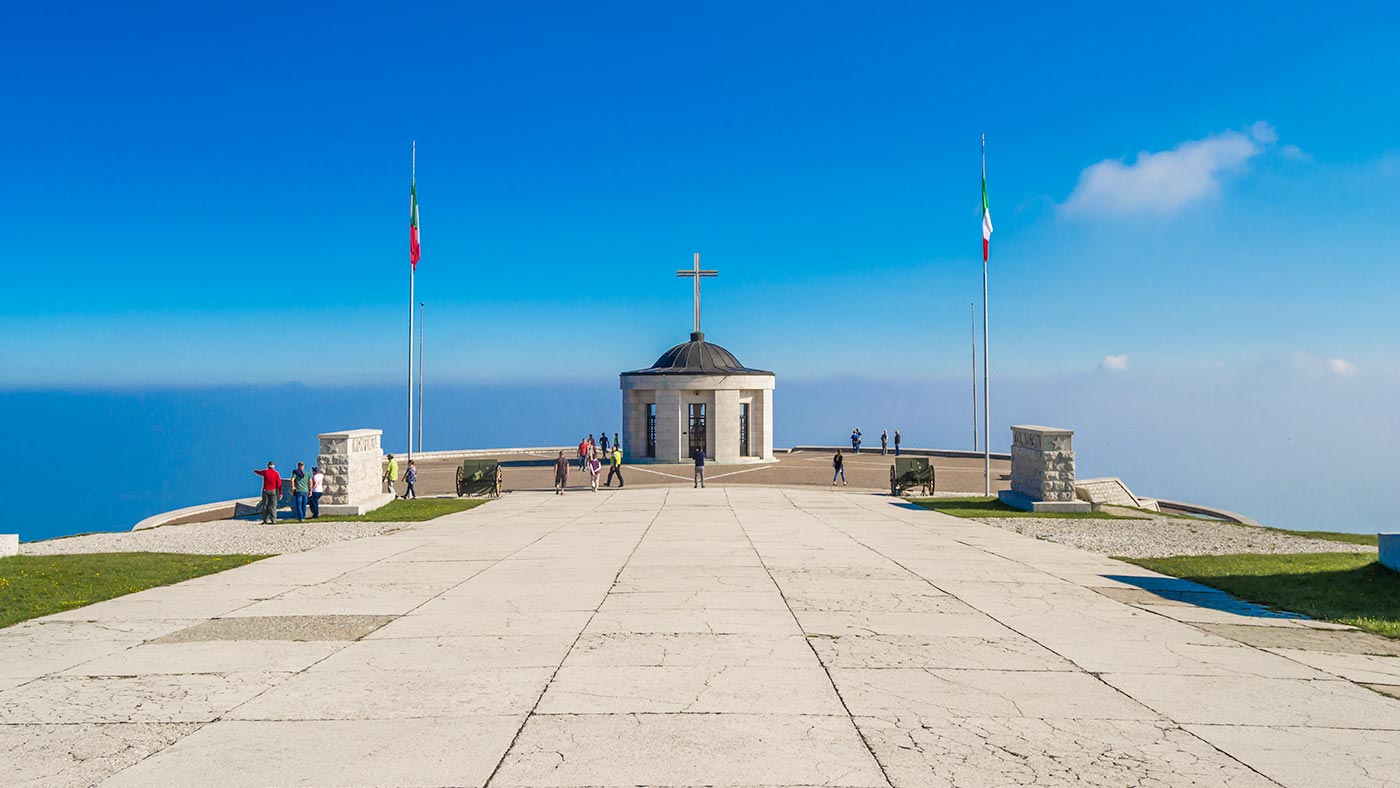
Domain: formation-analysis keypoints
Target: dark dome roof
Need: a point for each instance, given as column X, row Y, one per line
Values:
column 698, row 357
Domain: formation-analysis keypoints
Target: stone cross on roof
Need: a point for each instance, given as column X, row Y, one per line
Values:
column 696, row 273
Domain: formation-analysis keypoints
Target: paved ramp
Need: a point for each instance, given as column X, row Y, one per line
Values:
column 669, row 636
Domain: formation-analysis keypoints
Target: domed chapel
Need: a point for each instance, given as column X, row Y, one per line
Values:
column 697, row 395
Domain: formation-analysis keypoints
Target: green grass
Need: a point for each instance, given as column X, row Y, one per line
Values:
column 991, row 507
column 37, row 585
column 1349, row 588
column 410, row 511
column 1331, row 536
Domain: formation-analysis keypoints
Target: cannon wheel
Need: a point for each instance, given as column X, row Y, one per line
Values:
column 460, row 481
column 894, row 483
column 500, row 480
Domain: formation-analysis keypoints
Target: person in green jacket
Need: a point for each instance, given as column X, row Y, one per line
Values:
column 616, row 469
column 391, row 473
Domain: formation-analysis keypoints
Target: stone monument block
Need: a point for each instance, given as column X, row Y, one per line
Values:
column 353, row 463
column 9, row 545
column 1042, row 471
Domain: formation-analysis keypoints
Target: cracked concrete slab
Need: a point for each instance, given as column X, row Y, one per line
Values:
column 690, row 689
column 329, row 754
column 81, row 755
column 983, row 693
column 1311, row 757
column 1020, row 751
column 687, row 749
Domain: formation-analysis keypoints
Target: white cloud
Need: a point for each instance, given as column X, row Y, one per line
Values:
column 1263, row 132
column 1294, row 153
column 1114, row 362
column 1165, row 181
column 1341, row 367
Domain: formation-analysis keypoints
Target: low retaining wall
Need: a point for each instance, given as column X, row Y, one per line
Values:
column 1209, row 511
column 903, row 450
column 219, row 510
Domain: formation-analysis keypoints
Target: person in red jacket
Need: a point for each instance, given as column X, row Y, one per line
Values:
column 271, row 491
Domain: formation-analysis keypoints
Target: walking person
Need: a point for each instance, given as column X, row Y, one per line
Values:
column 603, row 443
column 318, row 486
column 884, row 442
column 271, row 491
column 839, row 464
column 410, row 478
column 561, row 474
column 595, row 467
column 301, row 490
column 391, row 474
column 616, row 469
column 582, row 453
column 699, row 457
column 896, row 443
column 617, row 441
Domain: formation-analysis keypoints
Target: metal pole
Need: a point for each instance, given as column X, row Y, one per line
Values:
column 986, row 390
column 413, row 174
column 420, row 376
column 972, row 318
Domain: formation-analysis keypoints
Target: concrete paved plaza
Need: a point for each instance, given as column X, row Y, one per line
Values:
column 736, row 636
column 865, row 471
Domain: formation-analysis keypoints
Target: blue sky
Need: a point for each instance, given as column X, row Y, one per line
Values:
column 1175, row 187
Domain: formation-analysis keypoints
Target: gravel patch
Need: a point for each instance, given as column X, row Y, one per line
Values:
column 1165, row 536
column 220, row 537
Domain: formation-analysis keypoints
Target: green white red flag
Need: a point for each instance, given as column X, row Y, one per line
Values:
column 414, row 249
column 986, row 211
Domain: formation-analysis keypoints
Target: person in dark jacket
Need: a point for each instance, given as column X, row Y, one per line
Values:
column 839, row 464
column 699, row 457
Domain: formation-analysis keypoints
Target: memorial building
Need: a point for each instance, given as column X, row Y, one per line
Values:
column 697, row 396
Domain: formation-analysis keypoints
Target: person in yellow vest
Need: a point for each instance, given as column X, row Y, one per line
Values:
column 616, row 469
column 391, row 473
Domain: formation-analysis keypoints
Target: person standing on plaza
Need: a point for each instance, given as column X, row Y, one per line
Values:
column 410, row 478
column 318, row 486
column 884, row 442
column 561, row 474
column 582, row 453
column 271, row 491
column 603, row 442
column 391, row 474
column 301, row 490
column 855, row 441
column 839, row 464
column 617, row 442
column 595, row 467
column 699, row 457
column 616, row 469
column 896, row 443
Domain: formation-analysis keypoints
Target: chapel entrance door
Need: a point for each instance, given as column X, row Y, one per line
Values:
column 743, row 429
column 697, row 429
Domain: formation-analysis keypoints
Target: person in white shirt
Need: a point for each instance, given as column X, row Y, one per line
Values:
column 318, row 486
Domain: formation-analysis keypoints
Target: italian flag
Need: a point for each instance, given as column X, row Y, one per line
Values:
column 986, row 211
column 414, row 250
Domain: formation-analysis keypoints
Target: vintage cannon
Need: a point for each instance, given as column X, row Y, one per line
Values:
column 910, row 472
column 479, row 477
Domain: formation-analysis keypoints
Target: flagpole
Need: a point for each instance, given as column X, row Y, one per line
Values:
column 972, row 335
column 421, row 331
column 413, row 174
column 986, row 390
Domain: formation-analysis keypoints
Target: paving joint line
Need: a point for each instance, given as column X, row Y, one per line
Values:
column 807, row 641
column 1097, row 677
column 533, row 708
